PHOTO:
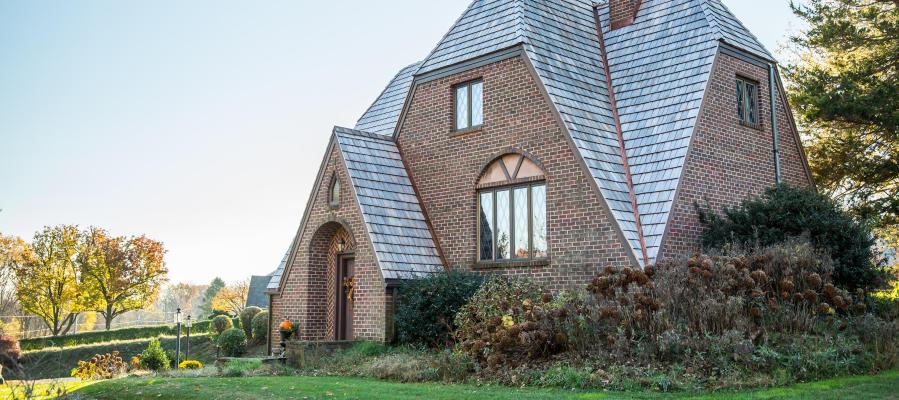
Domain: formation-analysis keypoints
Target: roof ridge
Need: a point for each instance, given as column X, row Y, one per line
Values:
column 387, row 87
column 356, row 132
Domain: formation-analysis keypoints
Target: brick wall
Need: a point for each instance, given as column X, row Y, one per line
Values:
column 582, row 237
column 727, row 161
column 305, row 295
column 623, row 12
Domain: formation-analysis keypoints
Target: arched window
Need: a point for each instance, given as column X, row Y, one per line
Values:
column 512, row 210
column 334, row 193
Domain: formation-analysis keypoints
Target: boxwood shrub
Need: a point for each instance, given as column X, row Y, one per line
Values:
column 426, row 308
column 233, row 342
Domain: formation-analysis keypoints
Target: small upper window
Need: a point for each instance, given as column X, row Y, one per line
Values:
column 748, row 101
column 334, row 199
column 469, row 105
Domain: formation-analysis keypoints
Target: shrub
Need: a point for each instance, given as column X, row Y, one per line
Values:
column 10, row 353
column 233, row 342
column 785, row 212
column 154, row 358
column 190, row 364
column 173, row 357
column 512, row 321
column 78, row 339
column 403, row 367
column 222, row 323
column 260, row 326
column 426, row 307
column 246, row 319
column 105, row 366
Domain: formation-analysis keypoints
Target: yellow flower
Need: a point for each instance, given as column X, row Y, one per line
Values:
column 508, row 322
column 526, row 302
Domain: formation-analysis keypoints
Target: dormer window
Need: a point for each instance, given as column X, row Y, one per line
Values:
column 334, row 193
column 748, row 101
column 469, row 105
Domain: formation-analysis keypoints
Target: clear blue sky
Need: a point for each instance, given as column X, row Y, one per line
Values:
column 202, row 123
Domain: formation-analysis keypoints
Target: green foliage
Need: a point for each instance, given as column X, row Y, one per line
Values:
column 222, row 323
column 100, row 366
column 190, row 364
column 786, row 212
column 426, row 307
column 367, row 348
column 246, row 319
column 233, row 342
column 206, row 305
column 154, row 358
column 259, row 326
column 83, row 338
column 238, row 368
column 845, row 89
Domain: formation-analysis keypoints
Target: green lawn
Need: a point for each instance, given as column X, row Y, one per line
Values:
column 883, row 386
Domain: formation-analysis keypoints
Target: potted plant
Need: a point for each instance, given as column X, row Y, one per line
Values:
column 287, row 329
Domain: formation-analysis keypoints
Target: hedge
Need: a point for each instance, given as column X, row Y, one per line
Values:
column 78, row 339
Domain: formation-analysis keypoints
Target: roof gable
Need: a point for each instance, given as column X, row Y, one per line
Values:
column 394, row 219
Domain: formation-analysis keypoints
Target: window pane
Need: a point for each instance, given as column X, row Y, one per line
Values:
column 477, row 104
column 503, row 225
column 538, row 209
column 740, row 105
column 753, row 107
column 486, row 226
column 521, row 234
column 462, row 107
column 335, row 192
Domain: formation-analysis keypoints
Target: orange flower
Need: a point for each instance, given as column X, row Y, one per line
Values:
column 286, row 325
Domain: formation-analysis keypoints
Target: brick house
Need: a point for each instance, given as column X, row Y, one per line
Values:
column 544, row 138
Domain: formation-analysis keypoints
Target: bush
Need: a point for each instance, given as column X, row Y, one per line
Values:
column 105, row 366
column 173, row 357
column 426, row 308
column 154, row 358
column 246, row 319
column 233, row 342
column 10, row 353
column 190, row 364
column 79, row 339
column 512, row 321
column 785, row 212
column 222, row 323
column 403, row 367
column 260, row 326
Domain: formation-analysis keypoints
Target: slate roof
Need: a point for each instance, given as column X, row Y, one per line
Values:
column 396, row 225
column 275, row 281
column 659, row 67
column 381, row 117
column 256, row 294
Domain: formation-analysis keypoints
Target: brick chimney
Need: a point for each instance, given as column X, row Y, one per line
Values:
column 623, row 12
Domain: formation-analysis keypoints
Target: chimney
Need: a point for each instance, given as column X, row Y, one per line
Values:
column 623, row 12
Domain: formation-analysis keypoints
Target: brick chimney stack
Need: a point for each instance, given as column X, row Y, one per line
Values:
column 623, row 12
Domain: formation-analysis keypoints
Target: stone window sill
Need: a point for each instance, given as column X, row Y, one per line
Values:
column 483, row 265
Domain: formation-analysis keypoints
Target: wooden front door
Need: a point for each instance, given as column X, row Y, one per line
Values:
column 346, row 280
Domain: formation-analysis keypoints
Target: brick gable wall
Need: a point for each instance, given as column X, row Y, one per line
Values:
column 445, row 168
column 304, row 297
column 728, row 162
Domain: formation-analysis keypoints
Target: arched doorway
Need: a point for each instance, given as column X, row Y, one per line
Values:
column 331, row 283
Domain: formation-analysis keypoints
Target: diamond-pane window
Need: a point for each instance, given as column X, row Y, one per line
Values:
column 468, row 105
column 521, row 229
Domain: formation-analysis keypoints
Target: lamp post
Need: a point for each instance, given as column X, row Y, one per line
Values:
column 178, row 337
column 187, row 353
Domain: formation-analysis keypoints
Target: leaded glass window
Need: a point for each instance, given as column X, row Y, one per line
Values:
column 747, row 101
column 512, row 222
column 469, row 105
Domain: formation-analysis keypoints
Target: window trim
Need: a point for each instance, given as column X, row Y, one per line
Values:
column 742, row 81
column 467, row 84
column 531, row 260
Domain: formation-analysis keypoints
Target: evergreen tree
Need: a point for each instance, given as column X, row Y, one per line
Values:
column 215, row 286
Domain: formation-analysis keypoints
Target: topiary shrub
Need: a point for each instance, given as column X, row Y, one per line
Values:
column 221, row 323
column 233, row 342
column 246, row 319
column 426, row 308
column 260, row 326
column 190, row 364
column 154, row 358
column 785, row 212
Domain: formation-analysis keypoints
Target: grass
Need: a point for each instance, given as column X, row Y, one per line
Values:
column 882, row 386
column 58, row 362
